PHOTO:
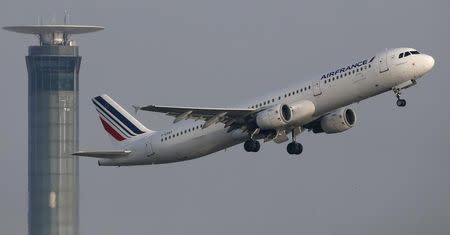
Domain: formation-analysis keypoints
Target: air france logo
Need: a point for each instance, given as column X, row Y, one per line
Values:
column 341, row 70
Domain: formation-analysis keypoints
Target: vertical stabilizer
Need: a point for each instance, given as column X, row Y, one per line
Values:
column 116, row 121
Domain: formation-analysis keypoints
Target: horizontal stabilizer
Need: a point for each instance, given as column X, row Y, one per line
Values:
column 103, row 154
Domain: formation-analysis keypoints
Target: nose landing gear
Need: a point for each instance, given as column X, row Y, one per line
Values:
column 400, row 102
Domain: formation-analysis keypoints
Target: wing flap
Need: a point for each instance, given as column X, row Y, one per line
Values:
column 175, row 110
column 103, row 154
column 210, row 115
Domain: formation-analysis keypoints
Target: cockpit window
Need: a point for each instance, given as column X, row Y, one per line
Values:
column 408, row 53
column 371, row 59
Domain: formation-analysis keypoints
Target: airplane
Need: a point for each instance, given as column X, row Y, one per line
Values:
column 319, row 105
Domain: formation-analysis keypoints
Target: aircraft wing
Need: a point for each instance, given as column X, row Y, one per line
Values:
column 228, row 116
column 103, row 154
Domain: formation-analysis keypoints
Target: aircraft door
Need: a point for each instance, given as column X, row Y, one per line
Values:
column 382, row 62
column 148, row 147
column 316, row 88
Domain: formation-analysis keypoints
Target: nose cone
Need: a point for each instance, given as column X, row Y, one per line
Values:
column 427, row 63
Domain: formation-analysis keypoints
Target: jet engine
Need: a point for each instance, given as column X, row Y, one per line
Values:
column 302, row 112
column 335, row 122
column 294, row 114
column 274, row 117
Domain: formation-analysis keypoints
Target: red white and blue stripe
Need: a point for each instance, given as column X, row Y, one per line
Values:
column 116, row 121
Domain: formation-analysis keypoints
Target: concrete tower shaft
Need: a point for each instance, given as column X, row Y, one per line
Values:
column 52, row 137
column 53, row 85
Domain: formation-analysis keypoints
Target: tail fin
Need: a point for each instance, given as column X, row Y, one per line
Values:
column 118, row 123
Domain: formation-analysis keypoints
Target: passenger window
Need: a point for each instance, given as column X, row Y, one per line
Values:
column 264, row 103
column 325, row 81
column 341, row 75
column 333, row 78
column 370, row 66
column 309, row 87
column 279, row 97
column 273, row 100
column 301, row 90
column 407, row 53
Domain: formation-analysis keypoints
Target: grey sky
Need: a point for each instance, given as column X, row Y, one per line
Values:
column 388, row 175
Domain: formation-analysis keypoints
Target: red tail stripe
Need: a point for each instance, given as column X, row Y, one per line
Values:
column 111, row 130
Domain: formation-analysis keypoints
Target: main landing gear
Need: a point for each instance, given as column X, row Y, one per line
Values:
column 252, row 145
column 294, row 147
column 400, row 102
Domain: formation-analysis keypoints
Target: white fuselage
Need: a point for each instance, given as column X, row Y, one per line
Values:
column 335, row 89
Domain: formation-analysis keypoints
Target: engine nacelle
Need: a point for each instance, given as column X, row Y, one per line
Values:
column 302, row 112
column 274, row 117
column 338, row 121
column 295, row 114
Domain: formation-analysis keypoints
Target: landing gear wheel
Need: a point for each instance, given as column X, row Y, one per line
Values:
column 252, row 146
column 401, row 103
column 298, row 148
column 248, row 145
column 294, row 148
column 256, row 146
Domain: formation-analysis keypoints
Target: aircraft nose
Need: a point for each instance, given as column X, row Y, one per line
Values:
column 428, row 63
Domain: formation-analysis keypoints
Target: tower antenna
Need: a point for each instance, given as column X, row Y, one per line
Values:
column 66, row 17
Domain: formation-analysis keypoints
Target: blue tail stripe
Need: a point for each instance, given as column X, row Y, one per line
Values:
column 118, row 115
column 113, row 121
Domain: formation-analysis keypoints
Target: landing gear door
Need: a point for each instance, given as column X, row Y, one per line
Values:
column 382, row 62
column 316, row 88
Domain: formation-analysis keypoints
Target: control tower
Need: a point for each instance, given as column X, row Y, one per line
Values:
column 53, row 184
